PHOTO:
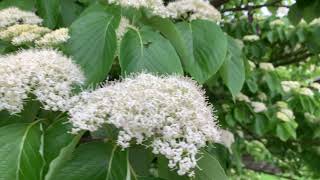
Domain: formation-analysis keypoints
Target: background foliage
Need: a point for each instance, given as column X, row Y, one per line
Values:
column 36, row 143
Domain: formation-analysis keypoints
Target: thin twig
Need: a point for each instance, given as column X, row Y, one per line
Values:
column 248, row 7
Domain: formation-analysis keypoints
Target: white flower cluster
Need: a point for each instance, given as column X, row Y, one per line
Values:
column 156, row 6
column 243, row 97
column 258, row 106
column 227, row 139
column 315, row 86
column 123, row 27
column 170, row 111
column 20, row 34
column 193, row 9
column 295, row 86
column 315, row 22
column 54, row 38
column 284, row 114
column 251, row 38
column 288, row 86
column 187, row 9
column 13, row 15
column 266, row 66
column 277, row 22
column 262, row 96
column 305, row 91
column 252, row 66
column 23, row 33
column 45, row 73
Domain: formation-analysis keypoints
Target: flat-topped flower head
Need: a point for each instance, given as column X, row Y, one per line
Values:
column 46, row 73
column 13, row 15
column 193, row 9
column 54, row 38
column 277, row 22
column 258, row 106
column 266, row 66
column 288, row 86
column 171, row 112
column 251, row 38
column 156, row 7
column 23, row 33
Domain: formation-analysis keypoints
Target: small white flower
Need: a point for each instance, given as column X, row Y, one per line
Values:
column 54, row 38
column 251, row 38
column 277, row 22
column 283, row 117
column 226, row 107
column 315, row 86
column 266, row 66
column 305, row 91
column 227, row 138
column 242, row 97
column 309, row 116
column 315, row 22
column 13, row 15
column 251, row 65
column 282, row 104
column 262, row 96
column 288, row 86
column 194, row 9
column 258, row 106
column 171, row 112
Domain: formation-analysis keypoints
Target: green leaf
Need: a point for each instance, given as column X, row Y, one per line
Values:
column 140, row 160
column 206, row 47
column 70, row 10
column 28, row 114
column 20, row 152
column 64, row 155
column 286, row 130
column 209, row 168
column 251, row 83
column 170, row 31
column 146, row 50
column 25, row 4
column 233, row 70
column 49, row 10
column 273, row 82
column 57, row 142
column 294, row 14
column 261, row 124
column 95, row 161
column 165, row 172
column 93, row 44
column 241, row 114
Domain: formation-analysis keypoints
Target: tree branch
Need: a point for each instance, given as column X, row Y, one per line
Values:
column 248, row 7
column 293, row 60
column 218, row 3
column 264, row 167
